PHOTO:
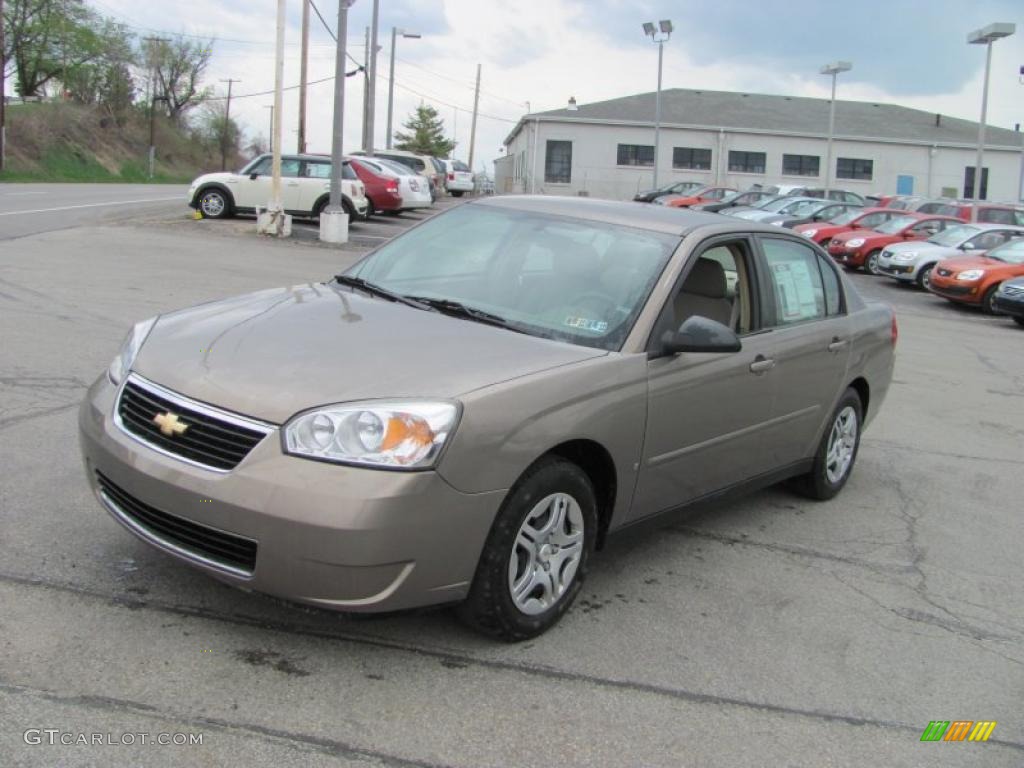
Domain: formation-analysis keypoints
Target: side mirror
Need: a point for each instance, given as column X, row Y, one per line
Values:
column 700, row 334
column 253, row 176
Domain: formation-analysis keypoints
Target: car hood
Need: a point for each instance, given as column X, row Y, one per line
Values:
column 867, row 234
column 976, row 262
column 221, row 176
column 273, row 353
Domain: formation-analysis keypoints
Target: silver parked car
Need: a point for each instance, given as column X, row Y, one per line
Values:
column 466, row 414
column 913, row 262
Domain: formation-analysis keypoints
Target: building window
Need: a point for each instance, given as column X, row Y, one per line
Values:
column 800, row 165
column 746, row 162
column 694, row 159
column 558, row 162
column 852, row 168
column 635, row 154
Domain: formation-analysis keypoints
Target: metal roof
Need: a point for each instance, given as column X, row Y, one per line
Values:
column 796, row 115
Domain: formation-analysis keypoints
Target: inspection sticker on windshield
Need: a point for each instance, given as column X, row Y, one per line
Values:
column 597, row 326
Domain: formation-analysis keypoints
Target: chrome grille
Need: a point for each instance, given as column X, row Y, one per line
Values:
column 1013, row 290
column 944, row 272
column 206, row 544
column 214, row 439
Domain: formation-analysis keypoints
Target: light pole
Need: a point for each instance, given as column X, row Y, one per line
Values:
column 984, row 36
column 665, row 26
column 395, row 32
column 832, row 69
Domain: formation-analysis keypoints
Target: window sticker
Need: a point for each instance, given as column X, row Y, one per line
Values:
column 586, row 324
column 795, row 287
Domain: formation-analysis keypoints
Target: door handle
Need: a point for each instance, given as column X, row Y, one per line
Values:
column 761, row 364
column 293, row 183
column 837, row 344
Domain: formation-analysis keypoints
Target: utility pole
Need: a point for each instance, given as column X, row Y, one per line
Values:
column 366, row 83
column 303, row 76
column 270, row 133
column 334, row 220
column 274, row 221
column 63, row 53
column 227, row 126
column 153, row 98
column 3, row 94
column 472, row 127
column 372, row 95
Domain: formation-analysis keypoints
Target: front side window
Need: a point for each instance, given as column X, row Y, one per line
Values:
column 746, row 162
column 796, row 282
column 853, row 168
column 549, row 276
column 558, row 162
column 800, row 165
column 635, row 154
column 691, row 158
column 717, row 287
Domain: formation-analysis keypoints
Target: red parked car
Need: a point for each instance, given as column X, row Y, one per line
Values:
column 861, row 218
column 976, row 279
column 702, row 195
column 381, row 191
column 862, row 247
column 987, row 212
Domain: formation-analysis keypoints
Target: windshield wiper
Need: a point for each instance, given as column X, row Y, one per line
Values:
column 376, row 290
column 458, row 309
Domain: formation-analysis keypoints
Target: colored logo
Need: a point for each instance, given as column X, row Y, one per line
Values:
column 958, row 730
column 169, row 424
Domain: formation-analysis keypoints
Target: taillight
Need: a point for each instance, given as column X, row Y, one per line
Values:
column 895, row 331
column 391, row 186
column 451, row 177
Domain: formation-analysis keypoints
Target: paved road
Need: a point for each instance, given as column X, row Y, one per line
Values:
column 770, row 631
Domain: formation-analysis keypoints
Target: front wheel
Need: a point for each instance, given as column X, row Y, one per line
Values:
column 988, row 301
column 213, row 204
column 536, row 555
column 924, row 277
column 837, row 452
column 457, row 192
column 871, row 263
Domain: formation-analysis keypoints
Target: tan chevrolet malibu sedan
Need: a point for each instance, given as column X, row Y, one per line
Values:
column 466, row 414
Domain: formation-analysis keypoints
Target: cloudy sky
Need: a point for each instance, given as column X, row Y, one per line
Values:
column 908, row 52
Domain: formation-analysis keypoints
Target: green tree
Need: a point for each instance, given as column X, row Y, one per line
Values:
column 425, row 133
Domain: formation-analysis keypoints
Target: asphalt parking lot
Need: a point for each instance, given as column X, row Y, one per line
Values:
column 767, row 631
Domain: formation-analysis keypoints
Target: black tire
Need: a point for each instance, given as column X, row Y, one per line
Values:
column 490, row 607
column 1019, row 320
column 924, row 276
column 350, row 210
column 988, row 301
column 816, row 483
column 457, row 192
column 319, row 207
column 214, row 203
column 871, row 262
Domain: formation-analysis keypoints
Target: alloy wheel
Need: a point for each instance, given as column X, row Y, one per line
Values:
column 842, row 442
column 212, row 204
column 546, row 553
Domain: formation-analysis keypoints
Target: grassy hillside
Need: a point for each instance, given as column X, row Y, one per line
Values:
column 69, row 142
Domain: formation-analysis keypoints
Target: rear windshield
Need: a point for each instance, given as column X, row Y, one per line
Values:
column 458, row 165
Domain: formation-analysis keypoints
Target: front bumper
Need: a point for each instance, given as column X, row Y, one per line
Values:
column 949, row 288
column 334, row 536
column 851, row 257
column 897, row 269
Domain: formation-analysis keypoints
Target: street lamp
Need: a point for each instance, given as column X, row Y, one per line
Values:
column 984, row 36
column 391, row 76
column 665, row 26
column 832, row 69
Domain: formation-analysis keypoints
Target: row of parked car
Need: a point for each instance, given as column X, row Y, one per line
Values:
column 928, row 243
column 388, row 182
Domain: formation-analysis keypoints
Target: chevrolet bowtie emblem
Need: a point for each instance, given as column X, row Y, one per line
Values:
column 169, row 424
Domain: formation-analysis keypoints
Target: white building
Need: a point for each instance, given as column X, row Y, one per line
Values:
column 606, row 149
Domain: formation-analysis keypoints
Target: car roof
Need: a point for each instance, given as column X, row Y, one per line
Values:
column 656, row 218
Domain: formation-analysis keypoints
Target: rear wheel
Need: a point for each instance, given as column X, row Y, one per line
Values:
column 457, row 192
column 988, row 301
column 536, row 554
column 871, row 262
column 214, row 204
column 924, row 277
column 837, row 451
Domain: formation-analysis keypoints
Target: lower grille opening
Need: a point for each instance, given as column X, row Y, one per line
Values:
column 219, row 548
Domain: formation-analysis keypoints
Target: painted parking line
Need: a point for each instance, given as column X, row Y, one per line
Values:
column 92, row 205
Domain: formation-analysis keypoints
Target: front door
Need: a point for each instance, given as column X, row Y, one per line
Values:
column 253, row 190
column 707, row 412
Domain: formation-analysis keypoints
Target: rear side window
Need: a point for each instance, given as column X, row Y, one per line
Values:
column 795, row 282
column 460, row 166
column 996, row 215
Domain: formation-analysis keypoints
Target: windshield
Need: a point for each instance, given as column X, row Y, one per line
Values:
column 810, row 207
column 397, row 168
column 793, row 205
column 583, row 282
column 1011, row 252
column 847, row 216
column 775, row 204
column 892, row 226
column 953, row 236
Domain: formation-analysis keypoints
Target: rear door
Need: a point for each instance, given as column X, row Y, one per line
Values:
column 803, row 307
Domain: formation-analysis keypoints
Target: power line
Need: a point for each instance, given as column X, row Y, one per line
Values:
column 334, row 37
column 463, row 83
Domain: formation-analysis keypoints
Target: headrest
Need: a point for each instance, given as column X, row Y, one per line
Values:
column 707, row 278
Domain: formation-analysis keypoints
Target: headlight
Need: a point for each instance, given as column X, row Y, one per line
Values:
column 903, row 256
column 809, row 232
column 398, row 435
column 129, row 349
column 776, row 223
column 971, row 274
column 857, row 242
